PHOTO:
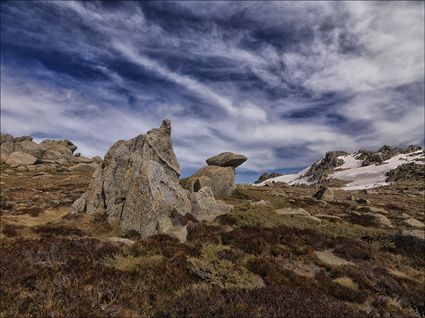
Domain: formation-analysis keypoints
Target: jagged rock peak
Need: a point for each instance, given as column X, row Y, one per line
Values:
column 138, row 184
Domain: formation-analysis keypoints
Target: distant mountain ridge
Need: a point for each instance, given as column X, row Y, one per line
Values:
column 360, row 170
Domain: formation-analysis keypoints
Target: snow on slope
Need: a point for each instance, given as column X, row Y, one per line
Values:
column 374, row 175
column 351, row 170
column 296, row 178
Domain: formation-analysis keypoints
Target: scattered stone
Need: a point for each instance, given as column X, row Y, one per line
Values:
column 21, row 169
column 377, row 210
column 362, row 201
column 330, row 218
column 9, row 171
column 351, row 198
column 41, row 175
column 418, row 234
column 20, row 158
column 261, row 203
column 88, row 168
column 227, row 159
column 414, row 223
column 312, row 218
column 405, row 216
column 346, row 282
column 293, row 211
column 138, row 184
column 62, row 169
column 327, row 257
column 120, row 240
column 325, row 194
column 31, row 168
column 371, row 219
column 77, row 154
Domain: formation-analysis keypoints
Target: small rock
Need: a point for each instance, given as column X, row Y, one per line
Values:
column 120, row 240
column 41, row 175
column 83, row 168
column 330, row 218
column 261, row 203
column 346, row 282
column 405, row 216
column 362, row 201
column 21, row 169
column 371, row 219
column 414, row 223
column 419, row 234
column 351, row 198
column 377, row 210
column 327, row 257
column 325, row 194
column 77, row 154
column 293, row 211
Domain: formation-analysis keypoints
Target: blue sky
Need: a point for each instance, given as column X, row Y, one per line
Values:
column 281, row 82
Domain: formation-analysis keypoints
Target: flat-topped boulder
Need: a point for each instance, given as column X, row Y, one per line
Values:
column 227, row 159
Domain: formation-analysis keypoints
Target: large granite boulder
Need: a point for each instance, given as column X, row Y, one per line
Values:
column 227, row 159
column 205, row 206
column 221, row 180
column 138, row 184
column 20, row 159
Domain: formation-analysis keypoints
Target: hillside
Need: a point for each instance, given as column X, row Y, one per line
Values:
column 280, row 251
column 361, row 170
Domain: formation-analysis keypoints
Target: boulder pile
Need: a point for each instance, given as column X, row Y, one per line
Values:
column 138, row 185
column 24, row 154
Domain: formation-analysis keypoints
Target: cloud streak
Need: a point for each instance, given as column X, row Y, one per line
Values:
column 282, row 82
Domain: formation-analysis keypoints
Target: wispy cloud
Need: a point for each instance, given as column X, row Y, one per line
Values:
column 270, row 80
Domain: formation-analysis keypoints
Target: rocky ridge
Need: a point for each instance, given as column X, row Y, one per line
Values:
column 360, row 170
column 24, row 154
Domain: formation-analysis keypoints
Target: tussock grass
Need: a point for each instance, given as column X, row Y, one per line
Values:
column 129, row 263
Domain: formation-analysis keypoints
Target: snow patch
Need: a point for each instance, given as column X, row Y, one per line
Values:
column 374, row 175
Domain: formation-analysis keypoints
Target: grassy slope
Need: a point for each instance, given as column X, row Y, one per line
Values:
column 251, row 263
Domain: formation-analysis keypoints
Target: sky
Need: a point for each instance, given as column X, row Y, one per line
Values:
column 280, row 82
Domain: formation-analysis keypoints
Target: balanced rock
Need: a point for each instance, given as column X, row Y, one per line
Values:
column 227, row 159
column 138, row 184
